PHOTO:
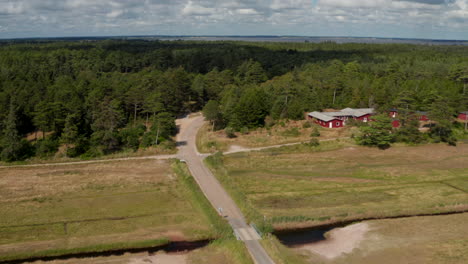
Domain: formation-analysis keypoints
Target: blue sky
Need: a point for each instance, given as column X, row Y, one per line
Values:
column 437, row 19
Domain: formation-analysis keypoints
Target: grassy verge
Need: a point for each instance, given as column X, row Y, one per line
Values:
column 280, row 253
column 112, row 247
column 222, row 228
column 226, row 251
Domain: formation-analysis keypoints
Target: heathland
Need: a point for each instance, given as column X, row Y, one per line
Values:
column 304, row 186
column 54, row 210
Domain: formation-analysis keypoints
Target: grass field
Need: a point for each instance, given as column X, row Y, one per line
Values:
column 301, row 186
column 429, row 239
column 286, row 132
column 96, row 207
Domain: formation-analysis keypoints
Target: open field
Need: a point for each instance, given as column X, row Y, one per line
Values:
column 292, row 131
column 96, row 206
column 303, row 186
column 429, row 239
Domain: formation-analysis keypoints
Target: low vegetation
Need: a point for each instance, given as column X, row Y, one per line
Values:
column 430, row 239
column 303, row 185
column 281, row 133
column 55, row 210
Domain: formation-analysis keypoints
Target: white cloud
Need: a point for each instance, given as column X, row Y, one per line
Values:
column 399, row 18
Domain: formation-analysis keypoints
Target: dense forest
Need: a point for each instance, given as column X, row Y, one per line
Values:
column 98, row 97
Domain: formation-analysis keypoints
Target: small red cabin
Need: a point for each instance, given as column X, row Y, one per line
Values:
column 463, row 115
column 325, row 120
column 393, row 113
column 422, row 116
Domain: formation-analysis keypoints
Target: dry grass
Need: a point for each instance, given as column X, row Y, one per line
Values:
column 209, row 141
column 300, row 186
column 433, row 239
column 81, row 205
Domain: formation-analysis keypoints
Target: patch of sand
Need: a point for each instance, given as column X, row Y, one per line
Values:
column 339, row 241
column 236, row 148
column 160, row 259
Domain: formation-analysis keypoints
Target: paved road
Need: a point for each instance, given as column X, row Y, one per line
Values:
column 213, row 190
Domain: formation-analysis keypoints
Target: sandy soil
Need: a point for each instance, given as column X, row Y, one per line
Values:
column 137, row 258
column 160, row 259
column 339, row 241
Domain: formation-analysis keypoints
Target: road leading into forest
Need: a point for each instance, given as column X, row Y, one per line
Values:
column 218, row 197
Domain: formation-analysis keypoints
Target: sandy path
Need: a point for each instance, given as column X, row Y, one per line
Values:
column 339, row 241
column 236, row 148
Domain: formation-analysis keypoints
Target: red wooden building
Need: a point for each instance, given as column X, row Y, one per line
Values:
column 463, row 115
column 422, row 116
column 396, row 123
column 325, row 120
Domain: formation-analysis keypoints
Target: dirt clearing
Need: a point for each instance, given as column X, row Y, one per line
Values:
column 339, row 241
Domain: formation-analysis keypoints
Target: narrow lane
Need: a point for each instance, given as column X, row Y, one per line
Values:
column 213, row 190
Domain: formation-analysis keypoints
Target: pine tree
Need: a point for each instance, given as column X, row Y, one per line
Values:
column 11, row 143
column 377, row 133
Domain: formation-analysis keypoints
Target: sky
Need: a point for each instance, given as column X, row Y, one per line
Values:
column 430, row 19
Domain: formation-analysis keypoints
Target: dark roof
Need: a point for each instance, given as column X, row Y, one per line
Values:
column 421, row 112
column 464, row 112
column 393, row 110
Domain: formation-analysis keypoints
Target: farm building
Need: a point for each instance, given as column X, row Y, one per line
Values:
column 463, row 115
column 325, row 120
column 422, row 116
column 396, row 123
column 393, row 113
column 339, row 118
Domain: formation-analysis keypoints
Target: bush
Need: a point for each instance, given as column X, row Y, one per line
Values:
column 244, row 130
column 315, row 133
column 307, row 125
column 93, row 152
column 314, row 142
column 20, row 151
column 81, row 146
column 230, row 132
column 168, row 144
column 292, row 132
column 47, row 147
column 269, row 121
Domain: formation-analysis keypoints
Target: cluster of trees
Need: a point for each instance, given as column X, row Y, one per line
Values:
column 94, row 98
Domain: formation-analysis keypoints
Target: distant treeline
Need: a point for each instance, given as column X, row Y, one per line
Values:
column 99, row 97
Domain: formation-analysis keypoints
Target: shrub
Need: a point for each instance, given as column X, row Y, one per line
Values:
column 47, row 147
column 292, row 132
column 168, row 144
column 315, row 133
column 244, row 130
column 81, row 146
column 230, row 132
column 314, row 142
column 269, row 122
column 307, row 125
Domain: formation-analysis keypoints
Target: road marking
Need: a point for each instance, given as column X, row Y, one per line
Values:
column 246, row 234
